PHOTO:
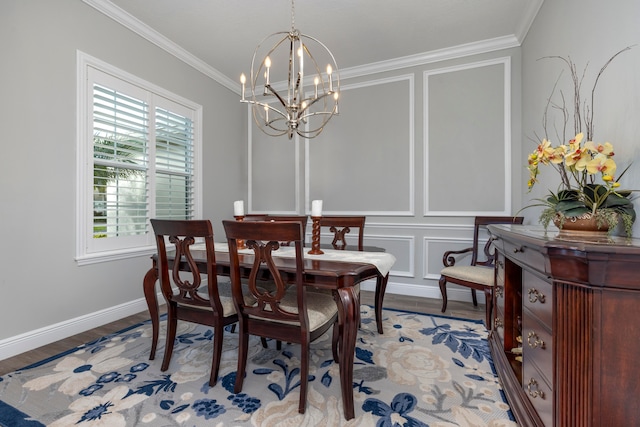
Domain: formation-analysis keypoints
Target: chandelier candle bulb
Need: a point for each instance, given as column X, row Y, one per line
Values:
column 267, row 65
column 315, row 82
column 238, row 208
column 329, row 71
column 243, row 80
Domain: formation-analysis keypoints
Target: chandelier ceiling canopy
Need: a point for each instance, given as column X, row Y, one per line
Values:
column 291, row 90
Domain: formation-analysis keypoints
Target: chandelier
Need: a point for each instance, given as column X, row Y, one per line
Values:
column 292, row 108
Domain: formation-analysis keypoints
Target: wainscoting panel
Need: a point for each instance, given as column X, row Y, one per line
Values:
column 467, row 117
column 344, row 170
column 273, row 187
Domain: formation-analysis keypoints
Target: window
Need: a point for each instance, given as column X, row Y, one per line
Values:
column 138, row 157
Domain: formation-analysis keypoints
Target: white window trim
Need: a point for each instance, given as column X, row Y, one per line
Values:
column 84, row 161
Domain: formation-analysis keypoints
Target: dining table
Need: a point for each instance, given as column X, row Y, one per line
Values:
column 336, row 270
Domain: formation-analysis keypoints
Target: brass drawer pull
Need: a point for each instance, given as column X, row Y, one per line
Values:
column 516, row 250
column 534, row 341
column 497, row 323
column 534, row 296
column 534, row 393
column 499, row 291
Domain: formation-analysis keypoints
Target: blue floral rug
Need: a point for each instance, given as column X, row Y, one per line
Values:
column 424, row 371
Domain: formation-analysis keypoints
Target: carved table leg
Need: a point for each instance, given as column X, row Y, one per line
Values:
column 349, row 316
column 149, row 289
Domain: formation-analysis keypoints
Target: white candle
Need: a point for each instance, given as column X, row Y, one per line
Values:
column 329, row 71
column 243, row 80
column 267, row 64
column 316, row 208
column 238, row 208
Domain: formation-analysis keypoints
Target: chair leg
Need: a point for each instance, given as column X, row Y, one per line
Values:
column 304, row 377
column 488, row 296
column 218, row 340
column 172, row 322
column 474, row 297
column 243, row 347
column 443, row 291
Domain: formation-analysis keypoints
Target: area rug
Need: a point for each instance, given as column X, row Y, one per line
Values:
column 423, row 371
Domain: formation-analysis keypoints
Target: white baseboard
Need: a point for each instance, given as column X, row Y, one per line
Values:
column 453, row 293
column 13, row 346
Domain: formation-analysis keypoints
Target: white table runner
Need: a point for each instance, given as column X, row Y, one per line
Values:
column 382, row 260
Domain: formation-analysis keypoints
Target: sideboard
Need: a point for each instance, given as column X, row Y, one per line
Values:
column 566, row 324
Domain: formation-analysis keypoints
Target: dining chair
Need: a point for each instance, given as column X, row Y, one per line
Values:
column 341, row 225
column 286, row 313
column 479, row 274
column 302, row 219
column 197, row 298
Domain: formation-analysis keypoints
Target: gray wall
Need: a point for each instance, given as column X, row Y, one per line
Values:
column 41, row 283
column 590, row 32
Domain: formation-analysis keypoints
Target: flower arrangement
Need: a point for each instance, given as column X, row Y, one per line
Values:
column 589, row 187
column 581, row 195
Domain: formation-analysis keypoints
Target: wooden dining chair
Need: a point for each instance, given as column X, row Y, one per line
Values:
column 188, row 302
column 302, row 219
column 480, row 273
column 342, row 225
column 285, row 313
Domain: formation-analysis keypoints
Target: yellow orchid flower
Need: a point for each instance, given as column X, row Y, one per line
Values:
column 574, row 144
column 576, row 159
column 557, row 156
column 606, row 148
column 603, row 164
column 544, row 150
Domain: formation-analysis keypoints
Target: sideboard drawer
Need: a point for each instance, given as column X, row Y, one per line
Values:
column 538, row 392
column 537, row 343
column 525, row 255
column 537, row 296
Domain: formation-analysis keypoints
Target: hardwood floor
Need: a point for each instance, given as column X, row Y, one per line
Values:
column 410, row 303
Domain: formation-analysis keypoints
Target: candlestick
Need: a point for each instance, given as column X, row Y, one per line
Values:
column 315, row 236
column 240, row 242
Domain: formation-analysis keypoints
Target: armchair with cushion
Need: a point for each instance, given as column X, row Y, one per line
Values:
column 480, row 273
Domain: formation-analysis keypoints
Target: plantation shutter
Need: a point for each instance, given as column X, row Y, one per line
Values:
column 121, row 160
column 174, row 165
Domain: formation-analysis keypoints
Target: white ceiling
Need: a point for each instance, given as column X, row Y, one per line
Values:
column 224, row 33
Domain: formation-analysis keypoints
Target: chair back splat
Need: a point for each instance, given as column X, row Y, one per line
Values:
column 277, row 305
column 199, row 296
column 480, row 273
column 342, row 225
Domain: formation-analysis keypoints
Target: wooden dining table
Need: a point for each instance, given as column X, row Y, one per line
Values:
column 335, row 270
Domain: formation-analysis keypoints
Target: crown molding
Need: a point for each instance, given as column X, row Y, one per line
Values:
column 484, row 46
column 463, row 50
column 129, row 21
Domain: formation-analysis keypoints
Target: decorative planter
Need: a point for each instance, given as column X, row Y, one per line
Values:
column 586, row 225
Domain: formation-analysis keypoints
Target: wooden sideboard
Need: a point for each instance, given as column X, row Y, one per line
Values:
column 566, row 326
